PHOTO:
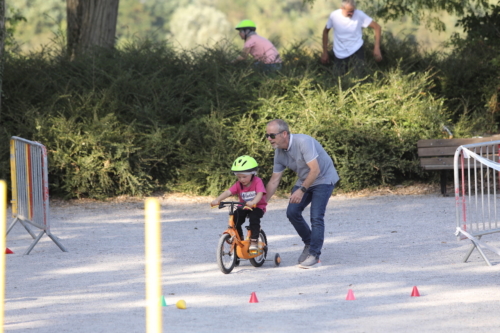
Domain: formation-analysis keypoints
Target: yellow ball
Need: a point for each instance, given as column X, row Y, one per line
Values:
column 181, row 304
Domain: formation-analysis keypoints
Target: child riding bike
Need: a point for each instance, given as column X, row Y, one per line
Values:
column 251, row 190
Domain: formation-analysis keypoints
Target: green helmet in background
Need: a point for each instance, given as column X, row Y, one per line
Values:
column 246, row 24
column 244, row 163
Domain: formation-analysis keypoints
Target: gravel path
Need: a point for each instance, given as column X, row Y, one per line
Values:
column 379, row 246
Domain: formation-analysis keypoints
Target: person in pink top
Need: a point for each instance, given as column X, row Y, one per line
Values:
column 260, row 48
column 250, row 190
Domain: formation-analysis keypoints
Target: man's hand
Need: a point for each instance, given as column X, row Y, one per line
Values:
column 378, row 33
column 325, row 58
column 377, row 54
column 296, row 196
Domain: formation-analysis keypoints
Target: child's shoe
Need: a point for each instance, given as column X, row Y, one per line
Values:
column 254, row 246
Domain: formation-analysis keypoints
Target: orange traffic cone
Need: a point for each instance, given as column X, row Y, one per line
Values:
column 8, row 251
column 253, row 298
column 414, row 292
column 350, row 296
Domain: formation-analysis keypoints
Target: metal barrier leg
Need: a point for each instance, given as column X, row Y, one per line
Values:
column 34, row 243
column 472, row 247
column 25, row 225
column 476, row 245
column 54, row 238
column 12, row 225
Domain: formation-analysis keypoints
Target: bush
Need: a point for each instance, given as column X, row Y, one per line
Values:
column 145, row 118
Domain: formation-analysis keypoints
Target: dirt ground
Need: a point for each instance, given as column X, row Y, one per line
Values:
column 378, row 243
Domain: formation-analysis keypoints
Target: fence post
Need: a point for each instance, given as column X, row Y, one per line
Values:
column 30, row 189
column 477, row 205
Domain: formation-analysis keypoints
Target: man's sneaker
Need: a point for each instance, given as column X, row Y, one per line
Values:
column 304, row 254
column 310, row 262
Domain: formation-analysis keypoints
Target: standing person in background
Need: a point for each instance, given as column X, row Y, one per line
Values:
column 347, row 23
column 261, row 49
column 317, row 177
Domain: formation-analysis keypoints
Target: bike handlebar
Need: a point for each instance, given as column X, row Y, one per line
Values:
column 223, row 204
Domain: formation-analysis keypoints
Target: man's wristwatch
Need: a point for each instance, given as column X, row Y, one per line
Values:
column 303, row 189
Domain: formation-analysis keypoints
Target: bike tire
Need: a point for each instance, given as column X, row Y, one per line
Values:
column 225, row 260
column 259, row 260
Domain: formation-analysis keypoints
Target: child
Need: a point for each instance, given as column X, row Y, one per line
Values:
column 251, row 190
column 261, row 49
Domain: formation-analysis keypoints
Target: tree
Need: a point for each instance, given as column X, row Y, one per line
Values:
column 91, row 23
column 2, row 41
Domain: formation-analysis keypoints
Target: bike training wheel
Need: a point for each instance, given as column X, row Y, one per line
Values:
column 225, row 259
column 277, row 259
column 259, row 260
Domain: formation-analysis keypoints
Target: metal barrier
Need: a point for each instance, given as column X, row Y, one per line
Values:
column 477, row 190
column 30, row 189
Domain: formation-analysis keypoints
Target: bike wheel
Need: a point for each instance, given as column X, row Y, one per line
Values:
column 259, row 260
column 226, row 259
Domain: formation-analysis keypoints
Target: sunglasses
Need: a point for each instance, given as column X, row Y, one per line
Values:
column 273, row 135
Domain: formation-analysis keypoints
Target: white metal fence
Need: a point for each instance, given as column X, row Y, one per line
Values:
column 30, row 189
column 477, row 194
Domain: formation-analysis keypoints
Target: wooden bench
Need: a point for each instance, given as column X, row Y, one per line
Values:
column 438, row 154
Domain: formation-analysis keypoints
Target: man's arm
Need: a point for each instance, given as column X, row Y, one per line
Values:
column 272, row 185
column 378, row 32
column 314, row 171
column 324, row 56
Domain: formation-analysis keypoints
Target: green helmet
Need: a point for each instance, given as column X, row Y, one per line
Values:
column 244, row 163
column 246, row 24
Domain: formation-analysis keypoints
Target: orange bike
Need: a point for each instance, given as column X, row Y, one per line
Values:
column 232, row 248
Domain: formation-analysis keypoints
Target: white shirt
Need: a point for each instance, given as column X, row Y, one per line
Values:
column 347, row 32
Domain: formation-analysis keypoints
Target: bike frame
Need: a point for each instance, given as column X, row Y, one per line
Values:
column 241, row 246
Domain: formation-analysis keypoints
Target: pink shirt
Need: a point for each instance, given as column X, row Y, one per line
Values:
column 246, row 194
column 262, row 50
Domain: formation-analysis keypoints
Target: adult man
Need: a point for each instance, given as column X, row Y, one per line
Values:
column 347, row 23
column 316, row 179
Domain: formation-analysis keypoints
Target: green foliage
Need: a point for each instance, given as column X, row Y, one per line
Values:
column 145, row 117
column 11, row 23
column 92, row 156
column 186, row 23
column 428, row 12
column 485, row 27
column 474, row 89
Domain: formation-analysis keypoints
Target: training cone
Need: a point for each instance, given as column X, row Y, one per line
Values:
column 163, row 302
column 8, row 251
column 181, row 304
column 253, row 298
column 350, row 296
column 414, row 292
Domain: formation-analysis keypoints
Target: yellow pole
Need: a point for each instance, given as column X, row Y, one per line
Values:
column 153, row 266
column 3, row 221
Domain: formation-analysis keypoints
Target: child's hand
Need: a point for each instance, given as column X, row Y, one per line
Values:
column 214, row 203
column 250, row 204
